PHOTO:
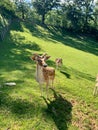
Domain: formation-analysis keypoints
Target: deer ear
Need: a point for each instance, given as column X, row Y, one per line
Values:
column 47, row 57
column 32, row 58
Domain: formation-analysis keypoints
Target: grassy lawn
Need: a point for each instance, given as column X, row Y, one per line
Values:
column 71, row 105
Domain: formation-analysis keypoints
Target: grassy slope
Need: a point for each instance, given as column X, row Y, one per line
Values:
column 21, row 107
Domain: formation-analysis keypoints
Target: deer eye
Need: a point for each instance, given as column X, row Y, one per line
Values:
column 39, row 60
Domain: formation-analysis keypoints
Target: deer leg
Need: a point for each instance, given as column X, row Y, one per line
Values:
column 41, row 89
column 95, row 91
column 47, row 85
column 52, row 83
column 56, row 66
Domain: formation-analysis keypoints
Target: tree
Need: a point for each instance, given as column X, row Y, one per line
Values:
column 88, row 7
column 7, row 8
column 43, row 6
column 54, row 17
column 79, row 12
column 22, row 7
column 96, row 15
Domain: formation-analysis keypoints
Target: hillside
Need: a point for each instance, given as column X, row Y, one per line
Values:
column 71, row 105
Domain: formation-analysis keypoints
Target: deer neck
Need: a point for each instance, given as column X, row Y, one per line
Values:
column 39, row 74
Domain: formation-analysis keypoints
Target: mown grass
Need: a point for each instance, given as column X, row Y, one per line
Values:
column 71, row 105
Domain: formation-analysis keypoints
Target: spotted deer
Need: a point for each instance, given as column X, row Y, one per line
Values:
column 96, row 86
column 58, row 62
column 44, row 74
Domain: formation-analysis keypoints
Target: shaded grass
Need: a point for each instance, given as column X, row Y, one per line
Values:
column 21, row 106
column 54, row 34
column 73, row 40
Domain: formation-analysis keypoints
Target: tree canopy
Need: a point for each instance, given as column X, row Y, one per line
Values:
column 43, row 6
column 77, row 15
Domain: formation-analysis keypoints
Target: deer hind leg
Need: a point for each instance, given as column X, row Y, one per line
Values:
column 52, row 83
column 97, row 90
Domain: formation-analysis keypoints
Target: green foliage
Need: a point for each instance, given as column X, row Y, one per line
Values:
column 22, row 8
column 7, row 8
column 80, row 12
column 96, row 16
column 54, row 17
column 43, row 6
column 3, row 22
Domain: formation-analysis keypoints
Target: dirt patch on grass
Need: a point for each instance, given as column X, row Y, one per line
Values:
column 84, row 116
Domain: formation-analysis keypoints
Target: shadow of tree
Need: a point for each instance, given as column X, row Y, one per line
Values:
column 60, row 110
column 15, row 54
column 16, row 25
column 82, row 75
column 21, row 107
column 51, row 63
column 21, row 43
column 78, row 74
column 33, row 28
column 15, row 50
column 66, row 74
column 57, row 34
column 83, row 43
column 18, row 107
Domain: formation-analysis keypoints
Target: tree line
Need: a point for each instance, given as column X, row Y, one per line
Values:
column 75, row 15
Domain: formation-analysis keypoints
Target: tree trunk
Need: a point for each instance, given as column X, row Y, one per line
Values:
column 43, row 19
column 22, row 14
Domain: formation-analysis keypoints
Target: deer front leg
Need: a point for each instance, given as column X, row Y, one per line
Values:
column 47, row 86
column 57, row 67
column 41, row 89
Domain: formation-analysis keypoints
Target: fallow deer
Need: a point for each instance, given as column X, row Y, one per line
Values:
column 96, row 86
column 58, row 62
column 44, row 74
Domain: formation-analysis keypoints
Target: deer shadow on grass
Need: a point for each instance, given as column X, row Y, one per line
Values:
column 60, row 110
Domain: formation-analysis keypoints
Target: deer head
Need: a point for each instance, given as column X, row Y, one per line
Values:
column 40, row 59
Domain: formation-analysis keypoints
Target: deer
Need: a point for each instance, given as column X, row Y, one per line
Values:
column 96, row 86
column 58, row 62
column 44, row 73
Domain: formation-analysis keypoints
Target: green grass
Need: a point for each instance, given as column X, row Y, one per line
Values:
column 71, row 105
